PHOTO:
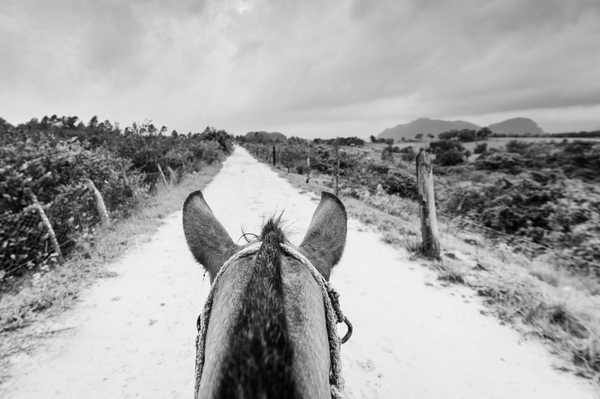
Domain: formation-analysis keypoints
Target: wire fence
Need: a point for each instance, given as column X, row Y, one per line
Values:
column 520, row 244
column 40, row 234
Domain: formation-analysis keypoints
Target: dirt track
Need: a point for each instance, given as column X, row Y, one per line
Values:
column 133, row 335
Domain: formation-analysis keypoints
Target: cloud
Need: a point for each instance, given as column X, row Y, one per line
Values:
column 249, row 64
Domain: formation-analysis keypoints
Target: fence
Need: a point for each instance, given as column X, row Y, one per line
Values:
column 41, row 234
column 519, row 244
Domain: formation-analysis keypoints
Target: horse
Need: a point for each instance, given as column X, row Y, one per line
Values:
column 265, row 331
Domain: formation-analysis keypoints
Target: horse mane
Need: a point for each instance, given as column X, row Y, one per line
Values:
column 259, row 360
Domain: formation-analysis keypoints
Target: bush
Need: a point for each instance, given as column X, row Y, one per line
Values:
column 480, row 148
column 505, row 161
column 401, row 183
column 445, row 145
column 55, row 172
column 53, row 160
column 449, row 158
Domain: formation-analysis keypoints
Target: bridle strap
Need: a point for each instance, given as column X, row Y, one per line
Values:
column 333, row 314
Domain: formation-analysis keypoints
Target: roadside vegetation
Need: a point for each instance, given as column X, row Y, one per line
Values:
column 519, row 224
column 142, row 174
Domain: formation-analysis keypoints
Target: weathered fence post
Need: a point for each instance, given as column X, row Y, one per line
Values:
column 47, row 224
column 162, row 175
column 99, row 202
column 337, row 169
column 307, row 161
column 172, row 175
column 426, row 198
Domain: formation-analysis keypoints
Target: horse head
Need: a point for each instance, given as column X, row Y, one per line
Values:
column 266, row 329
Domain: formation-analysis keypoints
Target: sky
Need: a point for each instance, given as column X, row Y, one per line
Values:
column 304, row 68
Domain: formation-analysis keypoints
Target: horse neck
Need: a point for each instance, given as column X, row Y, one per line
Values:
column 275, row 341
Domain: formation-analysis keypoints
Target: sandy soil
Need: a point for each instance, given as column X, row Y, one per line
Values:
column 133, row 335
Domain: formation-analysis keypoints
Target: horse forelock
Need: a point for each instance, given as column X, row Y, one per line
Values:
column 259, row 362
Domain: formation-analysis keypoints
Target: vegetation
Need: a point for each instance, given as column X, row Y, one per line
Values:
column 466, row 135
column 541, row 195
column 49, row 292
column 541, row 290
column 51, row 161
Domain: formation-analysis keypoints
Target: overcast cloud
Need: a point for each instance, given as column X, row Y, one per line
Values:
column 307, row 68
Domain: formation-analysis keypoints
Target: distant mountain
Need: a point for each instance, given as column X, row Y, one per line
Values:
column 424, row 126
column 516, row 126
column 265, row 136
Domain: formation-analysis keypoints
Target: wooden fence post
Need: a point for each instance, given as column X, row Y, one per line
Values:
column 162, row 175
column 172, row 175
column 337, row 169
column 47, row 224
column 426, row 198
column 99, row 202
column 307, row 161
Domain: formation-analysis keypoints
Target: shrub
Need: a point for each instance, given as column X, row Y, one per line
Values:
column 449, row 158
column 401, row 183
column 505, row 161
column 53, row 160
column 480, row 148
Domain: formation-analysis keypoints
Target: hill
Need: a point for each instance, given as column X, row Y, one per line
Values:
column 516, row 126
column 424, row 126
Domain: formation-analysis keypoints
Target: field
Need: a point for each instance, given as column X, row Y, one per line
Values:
column 497, row 143
column 526, row 216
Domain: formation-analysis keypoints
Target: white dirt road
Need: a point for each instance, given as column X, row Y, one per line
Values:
column 133, row 335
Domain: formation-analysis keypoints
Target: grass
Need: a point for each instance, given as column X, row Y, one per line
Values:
column 37, row 298
column 536, row 296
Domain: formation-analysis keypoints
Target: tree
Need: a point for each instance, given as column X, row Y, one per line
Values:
column 71, row 121
column 480, row 148
column 45, row 122
column 93, row 122
column 467, row 135
column 408, row 154
column 484, row 133
column 448, row 135
column 288, row 156
column 373, row 139
column 419, row 136
column 430, row 136
column 449, row 158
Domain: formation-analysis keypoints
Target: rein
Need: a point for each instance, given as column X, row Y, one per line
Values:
column 333, row 316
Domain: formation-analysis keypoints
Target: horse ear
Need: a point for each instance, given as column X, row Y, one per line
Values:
column 207, row 239
column 325, row 239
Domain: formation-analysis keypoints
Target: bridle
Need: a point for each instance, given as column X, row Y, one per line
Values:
column 333, row 316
